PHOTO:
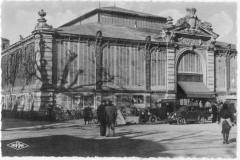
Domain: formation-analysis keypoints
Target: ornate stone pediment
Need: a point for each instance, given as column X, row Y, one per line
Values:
column 192, row 25
column 188, row 29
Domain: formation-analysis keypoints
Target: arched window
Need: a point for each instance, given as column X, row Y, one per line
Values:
column 189, row 62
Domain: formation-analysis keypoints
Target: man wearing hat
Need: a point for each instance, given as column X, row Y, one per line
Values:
column 111, row 116
column 102, row 117
column 214, row 112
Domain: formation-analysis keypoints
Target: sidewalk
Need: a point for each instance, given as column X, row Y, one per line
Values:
column 13, row 124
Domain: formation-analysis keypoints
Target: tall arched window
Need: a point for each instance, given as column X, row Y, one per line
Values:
column 233, row 73
column 189, row 62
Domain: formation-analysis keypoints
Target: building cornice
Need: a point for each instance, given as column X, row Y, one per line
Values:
column 18, row 44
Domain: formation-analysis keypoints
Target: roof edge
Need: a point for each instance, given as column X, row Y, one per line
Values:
column 16, row 44
column 101, row 10
column 86, row 15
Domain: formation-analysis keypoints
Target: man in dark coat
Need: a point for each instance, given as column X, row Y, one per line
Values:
column 214, row 112
column 111, row 116
column 102, row 118
column 87, row 114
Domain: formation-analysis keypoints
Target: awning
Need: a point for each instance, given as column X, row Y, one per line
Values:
column 196, row 90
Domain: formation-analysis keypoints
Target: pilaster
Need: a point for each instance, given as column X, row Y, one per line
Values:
column 99, row 56
column 148, row 63
column 228, row 71
column 44, row 60
column 170, row 74
column 210, row 70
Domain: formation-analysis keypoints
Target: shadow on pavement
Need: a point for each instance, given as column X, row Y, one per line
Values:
column 232, row 140
column 8, row 123
column 63, row 145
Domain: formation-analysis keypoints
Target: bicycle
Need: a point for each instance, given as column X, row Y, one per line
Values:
column 93, row 119
column 56, row 112
column 63, row 114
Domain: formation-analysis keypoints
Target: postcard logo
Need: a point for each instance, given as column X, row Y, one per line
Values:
column 17, row 145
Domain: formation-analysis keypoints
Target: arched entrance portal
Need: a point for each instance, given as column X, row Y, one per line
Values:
column 190, row 67
column 190, row 79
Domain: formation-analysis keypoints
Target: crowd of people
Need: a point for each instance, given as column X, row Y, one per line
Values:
column 213, row 107
column 222, row 113
column 106, row 115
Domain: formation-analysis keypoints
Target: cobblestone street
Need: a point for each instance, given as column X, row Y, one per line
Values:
column 73, row 138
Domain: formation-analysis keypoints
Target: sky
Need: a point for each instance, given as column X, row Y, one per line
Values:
column 20, row 17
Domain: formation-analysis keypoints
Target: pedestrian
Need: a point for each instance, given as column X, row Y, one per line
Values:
column 200, row 105
column 220, row 106
column 49, row 108
column 102, row 118
column 87, row 114
column 226, row 120
column 111, row 116
column 207, row 106
column 32, row 106
column 214, row 112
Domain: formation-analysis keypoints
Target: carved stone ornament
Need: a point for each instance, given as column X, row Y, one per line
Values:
column 192, row 46
column 42, row 22
column 169, row 23
column 211, row 44
column 148, row 42
column 99, row 36
column 192, row 25
column 190, row 20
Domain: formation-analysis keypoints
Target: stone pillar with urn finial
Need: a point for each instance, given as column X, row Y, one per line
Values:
column 43, row 50
column 44, row 35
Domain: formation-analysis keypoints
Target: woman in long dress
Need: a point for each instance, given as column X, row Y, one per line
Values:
column 225, row 119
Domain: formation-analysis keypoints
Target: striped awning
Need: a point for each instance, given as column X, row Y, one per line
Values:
column 196, row 90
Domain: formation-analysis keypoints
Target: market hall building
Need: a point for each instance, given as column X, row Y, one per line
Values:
column 133, row 58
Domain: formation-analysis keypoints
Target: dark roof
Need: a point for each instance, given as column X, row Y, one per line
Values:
column 223, row 45
column 113, row 9
column 126, row 11
column 111, row 31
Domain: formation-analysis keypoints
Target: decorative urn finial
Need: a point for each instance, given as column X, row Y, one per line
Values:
column 42, row 21
column 169, row 23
